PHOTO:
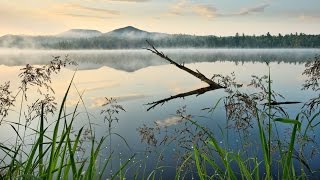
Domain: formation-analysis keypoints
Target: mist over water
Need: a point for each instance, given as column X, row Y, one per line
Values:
column 132, row 60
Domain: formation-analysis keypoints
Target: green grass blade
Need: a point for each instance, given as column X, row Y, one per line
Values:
column 72, row 151
column 197, row 160
column 41, row 134
column 290, row 150
column 122, row 167
column 177, row 177
column 30, row 161
column 288, row 121
column 52, row 165
column 245, row 172
column 105, row 166
column 264, row 145
column 12, row 164
column 212, row 163
column 16, row 132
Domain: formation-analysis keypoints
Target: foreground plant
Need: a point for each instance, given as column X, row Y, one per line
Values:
column 53, row 155
column 54, row 151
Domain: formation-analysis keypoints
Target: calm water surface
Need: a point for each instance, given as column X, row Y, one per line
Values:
column 137, row 77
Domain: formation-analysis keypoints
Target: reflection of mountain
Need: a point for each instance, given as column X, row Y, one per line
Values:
column 132, row 60
column 133, row 38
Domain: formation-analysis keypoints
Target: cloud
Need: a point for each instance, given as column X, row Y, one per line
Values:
column 178, row 8
column 309, row 17
column 72, row 102
column 92, row 9
column 83, row 15
column 80, row 11
column 169, row 121
column 255, row 9
column 205, row 11
column 183, row 7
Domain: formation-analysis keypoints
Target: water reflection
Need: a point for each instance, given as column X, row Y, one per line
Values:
column 132, row 78
column 133, row 60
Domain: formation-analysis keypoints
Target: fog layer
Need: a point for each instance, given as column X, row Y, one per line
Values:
column 132, row 60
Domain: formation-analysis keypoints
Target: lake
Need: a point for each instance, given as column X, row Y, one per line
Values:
column 138, row 77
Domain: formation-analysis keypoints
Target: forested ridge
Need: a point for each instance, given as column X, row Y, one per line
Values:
column 104, row 41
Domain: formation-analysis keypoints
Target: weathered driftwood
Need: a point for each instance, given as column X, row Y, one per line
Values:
column 212, row 85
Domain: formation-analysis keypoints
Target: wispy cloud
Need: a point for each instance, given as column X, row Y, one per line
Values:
column 92, row 9
column 84, row 16
column 205, row 11
column 255, row 9
column 304, row 17
column 178, row 8
column 184, row 7
column 80, row 11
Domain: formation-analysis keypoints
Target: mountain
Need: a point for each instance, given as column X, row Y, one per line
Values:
column 133, row 38
column 80, row 33
column 133, row 33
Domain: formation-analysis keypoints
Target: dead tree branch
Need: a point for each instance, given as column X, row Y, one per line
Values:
column 194, row 73
column 212, row 85
column 181, row 95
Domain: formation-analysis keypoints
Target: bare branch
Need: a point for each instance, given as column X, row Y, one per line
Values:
column 181, row 95
column 212, row 85
column 181, row 66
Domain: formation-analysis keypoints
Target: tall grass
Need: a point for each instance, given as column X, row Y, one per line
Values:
column 237, row 166
column 53, row 155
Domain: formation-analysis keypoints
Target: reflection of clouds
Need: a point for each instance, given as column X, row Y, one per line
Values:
column 71, row 102
column 176, row 88
column 99, row 101
column 181, row 88
column 94, row 82
column 113, row 84
column 169, row 121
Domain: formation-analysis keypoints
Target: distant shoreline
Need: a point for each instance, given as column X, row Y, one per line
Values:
column 133, row 38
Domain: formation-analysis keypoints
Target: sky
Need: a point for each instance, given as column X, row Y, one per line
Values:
column 200, row 17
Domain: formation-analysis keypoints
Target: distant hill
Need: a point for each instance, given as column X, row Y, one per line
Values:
column 80, row 33
column 133, row 38
column 129, row 31
column 133, row 33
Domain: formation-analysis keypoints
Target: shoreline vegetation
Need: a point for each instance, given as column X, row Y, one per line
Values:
column 53, row 155
column 133, row 38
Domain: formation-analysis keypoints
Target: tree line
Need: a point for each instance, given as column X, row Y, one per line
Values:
column 296, row 40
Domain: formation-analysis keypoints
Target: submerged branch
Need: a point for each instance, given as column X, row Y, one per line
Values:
column 212, row 85
column 280, row 103
column 181, row 95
